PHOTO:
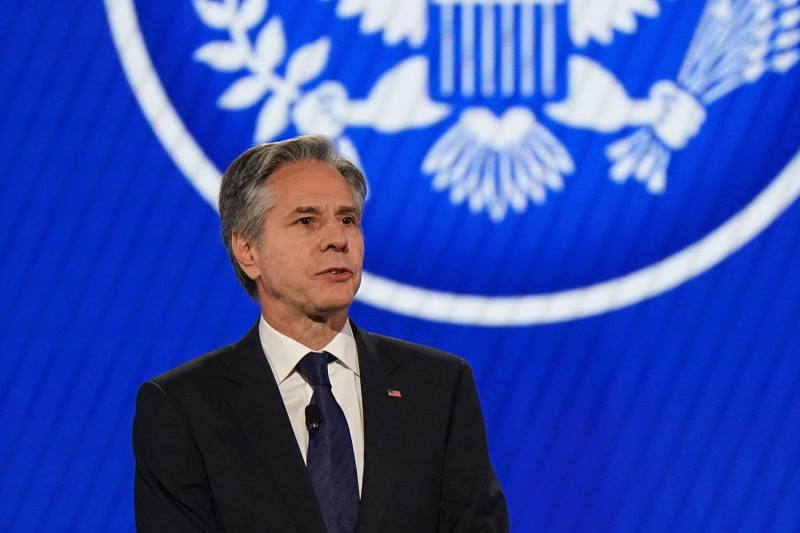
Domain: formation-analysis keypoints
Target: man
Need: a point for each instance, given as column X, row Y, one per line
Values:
column 308, row 423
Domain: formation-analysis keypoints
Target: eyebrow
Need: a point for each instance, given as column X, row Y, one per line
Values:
column 347, row 210
column 304, row 209
column 315, row 210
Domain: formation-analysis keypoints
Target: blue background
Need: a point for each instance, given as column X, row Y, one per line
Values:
column 681, row 413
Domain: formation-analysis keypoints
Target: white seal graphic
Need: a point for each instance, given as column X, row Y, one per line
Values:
column 668, row 119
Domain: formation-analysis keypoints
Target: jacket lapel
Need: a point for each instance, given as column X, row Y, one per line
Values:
column 261, row 412
column 384, row 428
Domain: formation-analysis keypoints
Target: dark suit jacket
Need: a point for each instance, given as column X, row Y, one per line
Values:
column 215, row 450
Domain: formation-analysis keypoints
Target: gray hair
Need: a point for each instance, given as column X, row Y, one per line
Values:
column 245, row 196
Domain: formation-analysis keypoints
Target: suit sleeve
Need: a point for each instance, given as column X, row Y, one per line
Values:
column 171, row 489
column 471, row 498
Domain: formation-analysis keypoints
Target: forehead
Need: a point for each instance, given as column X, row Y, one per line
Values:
column 309, row 183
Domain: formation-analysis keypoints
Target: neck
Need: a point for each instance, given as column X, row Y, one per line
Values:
column 312, row 331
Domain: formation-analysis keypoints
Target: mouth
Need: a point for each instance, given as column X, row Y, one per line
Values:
column 336, row 273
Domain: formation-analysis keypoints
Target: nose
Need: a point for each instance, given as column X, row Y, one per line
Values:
column 333, row 237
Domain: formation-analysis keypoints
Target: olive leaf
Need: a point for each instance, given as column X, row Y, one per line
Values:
column 250, row 14
column 270, row 46
column 272, row 119
column 244, row 92
column 224, row 56
column 308, row 61
column 215, row 14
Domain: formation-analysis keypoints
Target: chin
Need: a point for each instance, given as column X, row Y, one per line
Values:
column 334, row 305
column 332, row 297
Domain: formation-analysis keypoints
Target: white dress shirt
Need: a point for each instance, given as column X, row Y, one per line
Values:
column 283, row 354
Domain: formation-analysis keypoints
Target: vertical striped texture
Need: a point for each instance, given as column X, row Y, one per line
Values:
column 679, row 414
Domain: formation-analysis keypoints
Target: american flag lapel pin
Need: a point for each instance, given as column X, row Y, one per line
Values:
column 394, row 393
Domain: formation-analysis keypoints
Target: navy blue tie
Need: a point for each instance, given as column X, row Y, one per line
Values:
column 330, row 460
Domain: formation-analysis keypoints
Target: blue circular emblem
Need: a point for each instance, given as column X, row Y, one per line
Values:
column 529, row 161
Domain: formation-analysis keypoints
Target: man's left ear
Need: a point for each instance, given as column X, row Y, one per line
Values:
column 244, row 251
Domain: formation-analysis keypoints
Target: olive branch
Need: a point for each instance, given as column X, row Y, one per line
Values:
column 260, row 59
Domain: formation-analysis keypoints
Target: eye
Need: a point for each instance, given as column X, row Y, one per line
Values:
column 349, row 220
column 305, row 221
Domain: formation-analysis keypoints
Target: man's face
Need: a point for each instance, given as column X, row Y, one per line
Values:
column 312, row 249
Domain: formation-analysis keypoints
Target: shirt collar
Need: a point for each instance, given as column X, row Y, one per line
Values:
column 283, row 353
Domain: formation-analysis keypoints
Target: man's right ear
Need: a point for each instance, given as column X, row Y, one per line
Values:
column 245, row 253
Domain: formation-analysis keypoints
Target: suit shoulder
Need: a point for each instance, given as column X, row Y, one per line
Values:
column 195, row 370
column 410, row 352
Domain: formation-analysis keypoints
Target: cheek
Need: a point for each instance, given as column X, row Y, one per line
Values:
column 357, row 246
column 283, row 264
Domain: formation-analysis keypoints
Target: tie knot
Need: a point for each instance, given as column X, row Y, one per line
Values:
column 314, row 367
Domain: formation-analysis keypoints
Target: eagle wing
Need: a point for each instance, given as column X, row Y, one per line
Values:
column 598, row 19
column 397, row 20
